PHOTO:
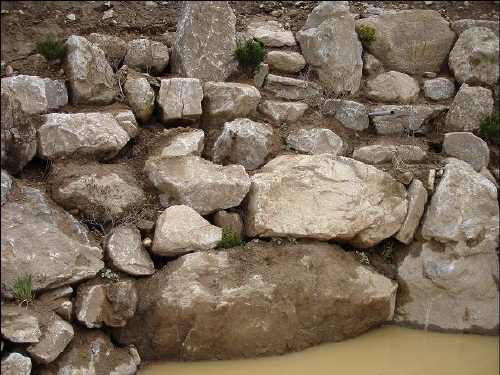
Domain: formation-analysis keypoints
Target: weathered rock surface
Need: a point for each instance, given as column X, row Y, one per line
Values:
column 98, row 135
column 450, row 281
column 424, row 48
column 37, row 228
column 101, row 192
column 316, row 141
column 224, row 102
column 180, row 230
column 53, row 342
column 198, row 183
column 324, row 197
column 468, row 108
column 330, row 44
column 203, row 47
column 147, row 55
column 91, row 78
column 244, row 142
column 16, row 364
column 180, row 99
column 91, row 352
column 231, row 304
column 112, row 304
column 474, row 57
column 18, row 135
column 19, row 326
column 125, row 251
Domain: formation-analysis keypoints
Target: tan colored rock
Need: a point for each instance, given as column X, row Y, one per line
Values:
column 330, row 44
column 91, row 78
column 423, row 49
column 180, row 98
column 205, row 41
column 226, row 101
column 54, row 340
column 417, row 198
column 198, row 183
column 243, row 142
column 111, row 304
column 180, row 230
column 324, row 197
column 256, row 302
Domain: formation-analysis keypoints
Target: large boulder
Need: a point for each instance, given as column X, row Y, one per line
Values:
column 44, row 241
column 198, row 183
column 450, row 281
column 90, row 76
column 329, row 43
column 326, row 198
column 231, row 303
column 402, row 44
column 205, row 41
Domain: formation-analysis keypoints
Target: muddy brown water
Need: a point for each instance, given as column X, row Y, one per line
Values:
column 388, row 350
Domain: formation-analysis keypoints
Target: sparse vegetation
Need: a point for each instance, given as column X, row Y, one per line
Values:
column 249, row 56
column 490, row 128
column 283, row 126
column 51, row 49
column 22, row 290
column 109, row 274
column 388, row 250
column 229, row 239
column 277, row 240
column 363, row 257
column 366, row 35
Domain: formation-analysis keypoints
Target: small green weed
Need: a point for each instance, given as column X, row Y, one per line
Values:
column 366, row 35
column 283, row 126
column 249, row 56
column 22, row 290
column 50, row 49
column 229, row 239
column 363, row 257
column 388, row 250
column 107, row 273
column 490, row 128
column 286, row 147
column 277, row 240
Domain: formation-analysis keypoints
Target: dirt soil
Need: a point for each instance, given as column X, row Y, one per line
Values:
column 23, row 23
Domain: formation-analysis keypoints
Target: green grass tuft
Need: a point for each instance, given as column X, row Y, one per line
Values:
column 22, row 290
column 229, row 239
column 50, row 49
column 490, row 128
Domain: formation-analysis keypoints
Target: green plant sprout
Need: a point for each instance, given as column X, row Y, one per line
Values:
column 366, row 35
column 388, row 250
column 22, row 290
column 363, row 257
column 229, row 239
column 107, row 273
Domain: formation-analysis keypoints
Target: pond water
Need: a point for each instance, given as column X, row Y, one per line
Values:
column 388, row 350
